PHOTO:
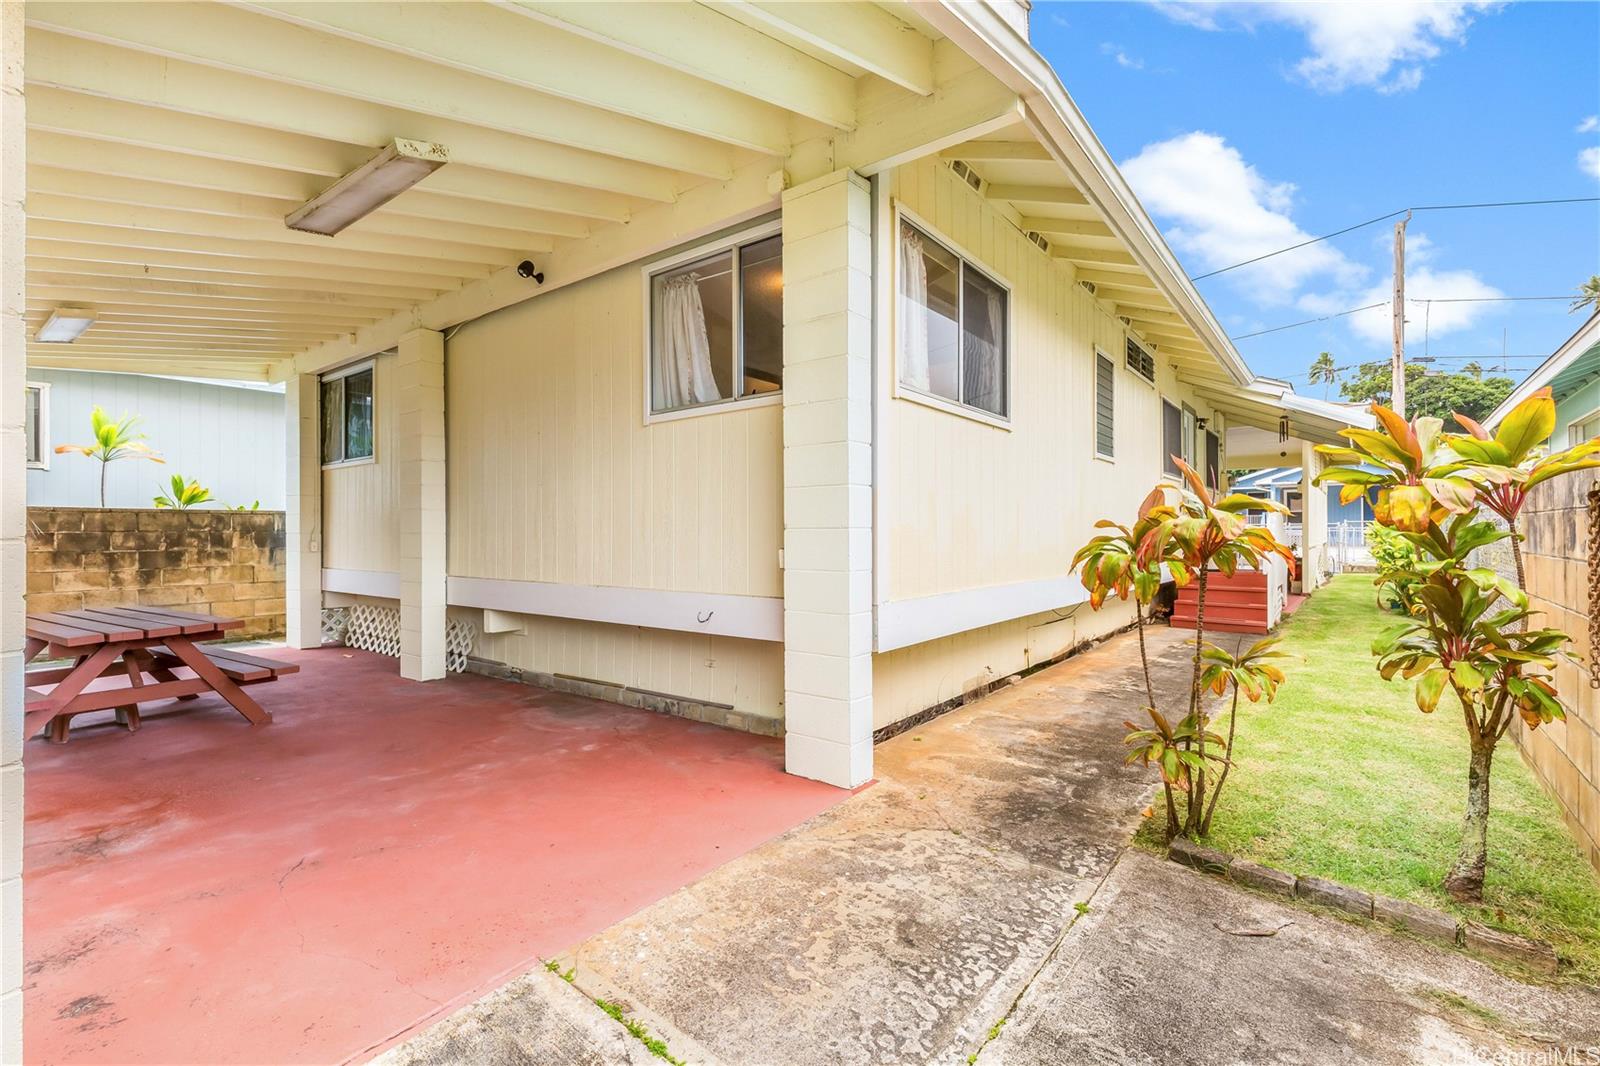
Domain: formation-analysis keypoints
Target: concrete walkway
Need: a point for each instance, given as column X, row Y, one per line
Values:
column 902, row 925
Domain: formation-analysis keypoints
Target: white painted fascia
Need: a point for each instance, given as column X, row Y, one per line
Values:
column 989, row 38
column 1587, row 336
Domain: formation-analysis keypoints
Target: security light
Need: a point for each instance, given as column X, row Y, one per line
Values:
column 368, row 187
column 65, row 325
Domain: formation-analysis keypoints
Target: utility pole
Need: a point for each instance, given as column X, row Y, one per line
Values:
column 1397, row 395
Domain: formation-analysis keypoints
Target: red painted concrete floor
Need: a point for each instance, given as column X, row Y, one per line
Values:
column 204, row 892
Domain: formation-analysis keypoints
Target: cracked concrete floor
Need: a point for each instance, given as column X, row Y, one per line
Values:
column 899, row 926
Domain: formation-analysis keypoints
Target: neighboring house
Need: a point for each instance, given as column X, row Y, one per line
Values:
column 1284, row 484
column 227, row 435
column 1560, row 566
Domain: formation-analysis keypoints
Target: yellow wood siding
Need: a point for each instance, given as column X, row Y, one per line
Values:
column 966, row 505
column 554, row 476
column 360, row 516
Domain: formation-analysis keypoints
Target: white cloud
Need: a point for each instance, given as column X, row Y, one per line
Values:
column 1383, row 44
column 1123, row 59
column 1219, row 210
column 1424, row 281
column 1589, row 161
column 1589, row 125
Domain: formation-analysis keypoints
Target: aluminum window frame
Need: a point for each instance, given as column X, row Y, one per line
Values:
column 349, row 370
column 42, row 424
column 1576, row 422
column 1100, row 354
column 690, row 254
column 965, row 259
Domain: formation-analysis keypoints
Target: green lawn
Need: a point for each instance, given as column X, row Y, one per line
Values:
column 1344, row 778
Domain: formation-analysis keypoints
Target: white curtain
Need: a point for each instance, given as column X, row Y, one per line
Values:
column 981, row 356
column 913, row 311
column 682, row 375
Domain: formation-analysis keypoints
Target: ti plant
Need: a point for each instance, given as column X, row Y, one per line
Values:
column 1468, row 632
column 1466, row 629
column 1188, row 538
column 183, row 494
column 113, row 440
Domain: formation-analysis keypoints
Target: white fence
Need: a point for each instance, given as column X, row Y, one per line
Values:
column 1347, row 544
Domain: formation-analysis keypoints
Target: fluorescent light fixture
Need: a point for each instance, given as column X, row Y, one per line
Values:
column 65, row 325
column 368, row 187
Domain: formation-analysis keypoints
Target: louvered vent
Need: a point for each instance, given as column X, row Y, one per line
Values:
column 1089, row 286
column 967, row 174
column 1141, row 362
column 1037, row 238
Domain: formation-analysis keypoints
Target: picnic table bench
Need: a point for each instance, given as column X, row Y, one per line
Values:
column 144, row 645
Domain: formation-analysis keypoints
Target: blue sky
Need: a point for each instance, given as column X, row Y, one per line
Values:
column 1245, row 128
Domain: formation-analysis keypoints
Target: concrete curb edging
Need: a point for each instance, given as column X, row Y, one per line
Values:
column 1426, row 922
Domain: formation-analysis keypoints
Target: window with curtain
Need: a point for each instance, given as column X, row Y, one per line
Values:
column 1171, row 437
column 952, row 326
column 347, row 415
column 716, row 327
column 36, row 417
column 1105, row 435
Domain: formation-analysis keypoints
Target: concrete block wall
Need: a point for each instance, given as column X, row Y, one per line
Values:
column 1565, row 756
column 228, row 563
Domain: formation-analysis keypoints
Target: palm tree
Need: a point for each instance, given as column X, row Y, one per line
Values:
column 1323, row 370
column 1475, row 369
column 1588, row 295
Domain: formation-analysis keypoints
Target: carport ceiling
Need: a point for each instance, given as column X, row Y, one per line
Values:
column 166, row 141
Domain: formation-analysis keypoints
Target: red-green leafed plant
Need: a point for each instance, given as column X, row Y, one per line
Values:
column 1253, row 673
column 113, row 440
column 1511, row 461
column 1186, row 538
column 183, row 494
column 1467, row 632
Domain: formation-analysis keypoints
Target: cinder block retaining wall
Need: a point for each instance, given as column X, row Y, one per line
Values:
column 1565, row 756
column 216, row 562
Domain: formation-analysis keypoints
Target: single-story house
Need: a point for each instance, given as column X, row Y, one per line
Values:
column 773, row 358
column 227, row 435
column 1559, row 523
column 1284, row 484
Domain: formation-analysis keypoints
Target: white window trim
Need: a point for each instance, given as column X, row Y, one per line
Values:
column 928, row 399
column 43, row 462
column 647, row 275
column 335, row 375
column 1094, row 408
column 1580, row 420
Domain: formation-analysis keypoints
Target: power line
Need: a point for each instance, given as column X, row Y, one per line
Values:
column 1395, row 214
column 1309, row 321
column 1478, row 299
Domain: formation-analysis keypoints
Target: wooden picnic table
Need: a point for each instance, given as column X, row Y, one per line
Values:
column 144, row 645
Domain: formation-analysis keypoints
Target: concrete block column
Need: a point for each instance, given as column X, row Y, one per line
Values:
column 419, row 449
column 13, row 519
column 302, row 502
column 827, row 479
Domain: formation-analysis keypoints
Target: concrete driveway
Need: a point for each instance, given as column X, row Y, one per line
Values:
column 902, row 925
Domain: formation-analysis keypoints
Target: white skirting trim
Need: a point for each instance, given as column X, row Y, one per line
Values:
column 749, row 617
column 902, row 623
column 382, row 583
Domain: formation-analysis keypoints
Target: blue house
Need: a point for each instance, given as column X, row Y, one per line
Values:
column 1282, row 484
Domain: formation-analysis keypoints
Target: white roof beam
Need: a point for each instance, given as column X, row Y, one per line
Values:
column 74, row 209
column 225, row 37
column 1037, row 194
column 1065, row 227
column 82, row 125
column 43, row 267
column 340, row 320
column 864, row 36
column 700, row 42
column 998, row 152
column 74, row 255
column 61, row 152
column 1103, row 257
column 91, row 290
column 474, row 51
column 253, row 370
column 121, row 234
column 96, row 68
column 1119, row 279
